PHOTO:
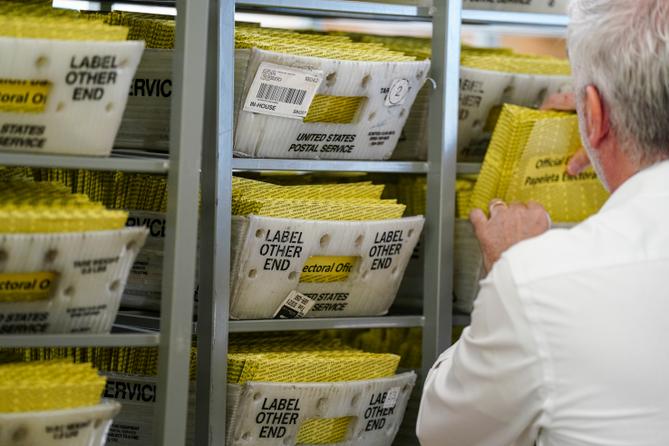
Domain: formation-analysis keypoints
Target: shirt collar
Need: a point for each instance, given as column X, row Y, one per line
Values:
column 653, row 179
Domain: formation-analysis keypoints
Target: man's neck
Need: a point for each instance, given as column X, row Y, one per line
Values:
column 620, row 167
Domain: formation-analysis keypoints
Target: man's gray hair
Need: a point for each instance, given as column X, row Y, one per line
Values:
column 622, row 48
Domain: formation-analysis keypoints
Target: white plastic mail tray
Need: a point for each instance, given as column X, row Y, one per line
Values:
column 389, row 90
column 269, row 256
column 76, row 280
column 80, row 112
column 83, row 426
column 376, row 406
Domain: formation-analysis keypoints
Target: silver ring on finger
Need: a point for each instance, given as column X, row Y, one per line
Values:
column 495, row 203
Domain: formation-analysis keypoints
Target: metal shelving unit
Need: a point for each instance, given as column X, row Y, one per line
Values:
column 437, row 320
column 205, row 56
column 174, row 341
column 213, row 326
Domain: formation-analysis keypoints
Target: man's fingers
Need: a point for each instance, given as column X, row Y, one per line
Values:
column 560, row 101
column 478, row 219
column 517, row 206
column 534, row 205
column 578, row 163
column 495, row 206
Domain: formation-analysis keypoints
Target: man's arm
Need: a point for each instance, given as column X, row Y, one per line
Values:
column 488, row 389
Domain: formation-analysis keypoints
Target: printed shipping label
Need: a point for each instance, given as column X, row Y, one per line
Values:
column 23, row 96
column 391, row 398
column 327, row 269
column 155, row 222
column 26, row 287
column 134, row 425
column 151, row 87
column 296, row 305
column 145, row 279
column 279, row 90
column 146, row 274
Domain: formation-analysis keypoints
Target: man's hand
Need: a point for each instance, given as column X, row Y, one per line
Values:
column 566, row 102
column 578, row 162
column 560, row 101
column 507, row 225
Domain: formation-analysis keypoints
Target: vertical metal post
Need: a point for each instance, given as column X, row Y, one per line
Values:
column 442, row 157
column 182, row 221
column 214, row 295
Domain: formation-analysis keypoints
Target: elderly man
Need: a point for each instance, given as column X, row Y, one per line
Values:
column 568, row 342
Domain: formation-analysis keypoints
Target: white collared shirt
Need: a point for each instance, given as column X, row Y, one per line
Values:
column 569, row 341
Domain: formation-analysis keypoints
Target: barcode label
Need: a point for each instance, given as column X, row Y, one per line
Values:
column 391, row 398
column 283, row 91
column 275, row 93
column 295, row 306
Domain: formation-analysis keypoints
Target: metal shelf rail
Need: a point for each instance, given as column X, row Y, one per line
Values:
column 442, row 157
column 186, row 129
column 471, row 16
column 338, row 8
column 327, row 324
column 84, row 162
column 139, row 320
column 329, row 166
column 76, row 340
column 214, row 291
column 174, row 341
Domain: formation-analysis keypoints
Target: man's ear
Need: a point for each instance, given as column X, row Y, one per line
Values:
column 596, row 116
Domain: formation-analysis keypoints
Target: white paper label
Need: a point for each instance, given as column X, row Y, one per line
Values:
column 295, row 306
column 134, row 424
column 145, row 279
column 391, row 398
column 278, row 90
column 155, row 222
column 399, row 90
